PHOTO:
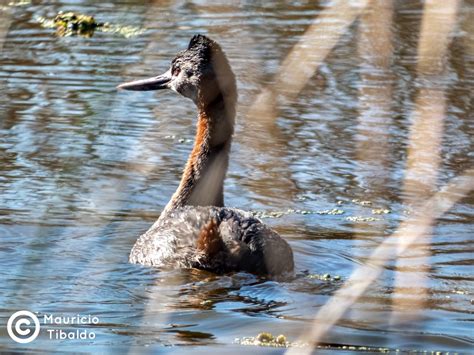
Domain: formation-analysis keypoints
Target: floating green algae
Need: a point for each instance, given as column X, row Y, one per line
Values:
column 271, row 214
column 362, row 219
column 19, row 3
column 77, row 24
column 362, row 202
column 11, row 4
column 380, row 211
column 278, row 214
column 268, row 340
column 362, row 348
column 376, row 210
column 71, row 23
column 265, row 339
column 324, row 277
column 334, row 211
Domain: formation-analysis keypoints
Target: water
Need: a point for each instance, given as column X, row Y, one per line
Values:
column 85, row 169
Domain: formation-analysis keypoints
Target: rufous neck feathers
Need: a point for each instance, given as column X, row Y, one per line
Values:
column 202, row 182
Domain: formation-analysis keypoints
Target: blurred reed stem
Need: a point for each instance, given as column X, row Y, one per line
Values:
column 5, row 21
column 305, row 57
column 375, row 90
column 424, row 148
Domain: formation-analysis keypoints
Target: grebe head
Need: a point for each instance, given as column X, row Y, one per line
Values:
column 201, row 73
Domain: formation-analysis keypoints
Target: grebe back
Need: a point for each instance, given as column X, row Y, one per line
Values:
column 195, row 230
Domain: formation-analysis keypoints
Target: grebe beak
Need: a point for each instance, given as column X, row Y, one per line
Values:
column 156, row 83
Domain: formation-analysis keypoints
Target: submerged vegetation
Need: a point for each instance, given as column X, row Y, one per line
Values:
column 77, row 24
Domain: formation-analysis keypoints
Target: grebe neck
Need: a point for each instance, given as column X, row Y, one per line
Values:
column 202, row 182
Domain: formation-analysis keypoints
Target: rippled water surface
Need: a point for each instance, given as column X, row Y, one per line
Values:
column 85, row 169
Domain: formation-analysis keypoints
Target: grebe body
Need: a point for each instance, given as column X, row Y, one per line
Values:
column 195, row 230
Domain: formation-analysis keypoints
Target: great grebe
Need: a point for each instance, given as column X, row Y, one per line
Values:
column 195, row 230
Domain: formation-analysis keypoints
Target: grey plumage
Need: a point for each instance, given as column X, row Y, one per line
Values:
column 248, row 244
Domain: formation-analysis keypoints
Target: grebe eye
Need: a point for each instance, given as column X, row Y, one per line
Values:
column 176, row 71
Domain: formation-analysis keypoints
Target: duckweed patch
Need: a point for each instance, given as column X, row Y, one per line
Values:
column 265, row 339
column 380, row 211
column 71, row 23
column 362, row 219
column 271, row 214
column 77, row 24
column 384, row 350
column 359, row 348
column 278, row 214
column 377, row 211
column 324, row 277
column 19, row 3
column 361, row 202
column 281, row 341
column 334, row 211
column 11, row 4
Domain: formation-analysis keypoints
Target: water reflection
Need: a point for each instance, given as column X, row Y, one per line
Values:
column 83, row 171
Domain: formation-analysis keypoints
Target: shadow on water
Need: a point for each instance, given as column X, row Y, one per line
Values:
column 84, row 170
